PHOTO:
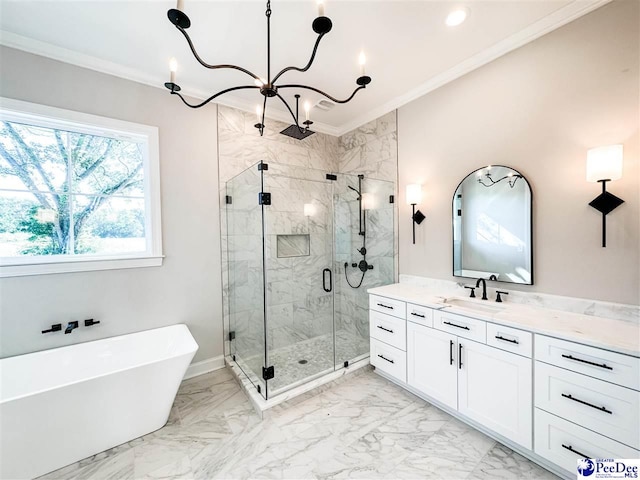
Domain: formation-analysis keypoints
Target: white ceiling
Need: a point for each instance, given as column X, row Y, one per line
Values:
column 410, row 50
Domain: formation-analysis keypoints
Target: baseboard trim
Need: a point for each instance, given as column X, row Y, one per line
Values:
column 204, row 366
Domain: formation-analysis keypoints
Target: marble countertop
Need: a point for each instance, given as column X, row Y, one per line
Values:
column 615, row 335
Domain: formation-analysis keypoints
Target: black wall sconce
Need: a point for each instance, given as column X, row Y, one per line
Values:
column 414, row 197
column 604, row 164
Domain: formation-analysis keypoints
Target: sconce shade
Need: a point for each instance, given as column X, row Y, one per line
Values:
column 604, row 163
column 414, row 194
column 309, row 209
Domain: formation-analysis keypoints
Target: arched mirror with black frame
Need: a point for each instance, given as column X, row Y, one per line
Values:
column 492, row 226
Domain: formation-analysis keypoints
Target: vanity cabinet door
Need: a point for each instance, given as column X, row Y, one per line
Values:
column 495, row 389
column 431, row 363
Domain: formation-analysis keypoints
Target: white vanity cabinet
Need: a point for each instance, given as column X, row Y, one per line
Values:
column 486, row 384
column 494, row 389
column 587, row 402
column 553, row 400
column 431, row 363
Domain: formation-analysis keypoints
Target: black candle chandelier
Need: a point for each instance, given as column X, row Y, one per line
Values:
column 268, row 88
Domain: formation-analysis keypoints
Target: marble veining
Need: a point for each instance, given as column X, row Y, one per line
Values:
column 365, row 427
column 595, row 308
column 607, row 333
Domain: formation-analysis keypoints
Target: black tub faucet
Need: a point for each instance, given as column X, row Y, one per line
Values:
column 70, row 327
column 484, row 287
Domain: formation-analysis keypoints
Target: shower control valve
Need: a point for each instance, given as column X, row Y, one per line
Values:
column 364, row 266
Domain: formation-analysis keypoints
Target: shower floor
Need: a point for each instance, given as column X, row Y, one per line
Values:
column 316, row 355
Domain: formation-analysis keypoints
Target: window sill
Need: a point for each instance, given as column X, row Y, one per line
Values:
column 51, row 266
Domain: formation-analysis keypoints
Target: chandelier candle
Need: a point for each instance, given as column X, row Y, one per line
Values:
column 362, row 61
column 173, row 67
column 270, row 87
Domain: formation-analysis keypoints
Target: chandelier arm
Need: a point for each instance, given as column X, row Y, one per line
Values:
column 222, row 92
column 295, row 120
column 205, row 64
column 325, row 94
column 307, row 66
column 264, row 108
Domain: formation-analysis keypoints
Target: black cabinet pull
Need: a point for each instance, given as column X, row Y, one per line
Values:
column 384, row 358
column 602, row 409
column 460, row 356
column 571, row 449
column 385, row 329
column 417, row 315
column 457, row 326
column 385, row 306
column 450, row 352
column 601, row 365
column 499, row 337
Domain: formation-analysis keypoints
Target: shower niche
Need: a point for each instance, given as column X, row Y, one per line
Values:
column 300, row 261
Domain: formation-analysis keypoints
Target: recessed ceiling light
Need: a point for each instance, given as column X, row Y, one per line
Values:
column 456, row 17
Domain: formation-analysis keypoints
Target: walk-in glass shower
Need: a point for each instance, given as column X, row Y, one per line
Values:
column 303, row 246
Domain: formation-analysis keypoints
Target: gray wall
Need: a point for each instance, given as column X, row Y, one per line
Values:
column 538, row 110
column 187, row 287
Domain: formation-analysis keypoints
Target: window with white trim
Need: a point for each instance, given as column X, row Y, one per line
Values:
column 77, row 191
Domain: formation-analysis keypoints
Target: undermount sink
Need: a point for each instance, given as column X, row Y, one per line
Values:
column 471, row 305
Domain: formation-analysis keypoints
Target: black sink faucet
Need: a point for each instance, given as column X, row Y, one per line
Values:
column 70, row 327
column 484, row 287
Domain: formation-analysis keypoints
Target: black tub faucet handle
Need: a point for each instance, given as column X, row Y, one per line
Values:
column 54, row 328
column 473, row 291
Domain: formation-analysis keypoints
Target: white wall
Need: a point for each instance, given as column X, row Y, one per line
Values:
column 538, row 110
column 187, row 288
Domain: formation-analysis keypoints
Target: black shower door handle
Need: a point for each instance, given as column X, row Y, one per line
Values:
column 324, row 280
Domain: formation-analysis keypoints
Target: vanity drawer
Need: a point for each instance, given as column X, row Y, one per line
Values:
column 610, row 366
column 419, row 314
column 460, row 325
column 387, row 305
column 553, row 437
column 389, row 359
column 388, row 329
column 510, row 339
column 608, row 409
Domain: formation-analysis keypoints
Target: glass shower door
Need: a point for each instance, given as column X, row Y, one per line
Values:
column 299, row 276
column 364, row 242
column 246, row 274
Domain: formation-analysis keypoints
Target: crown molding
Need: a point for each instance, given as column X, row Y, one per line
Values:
column 547, row 24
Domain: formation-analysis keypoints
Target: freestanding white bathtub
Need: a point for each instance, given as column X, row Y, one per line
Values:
column 62, row 405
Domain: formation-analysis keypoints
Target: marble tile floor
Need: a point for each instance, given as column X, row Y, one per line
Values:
column 317, row 353
column 365, row 428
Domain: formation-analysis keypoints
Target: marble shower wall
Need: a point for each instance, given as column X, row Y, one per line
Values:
column 239, row 148
column 297, row 307
column 370, row 150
